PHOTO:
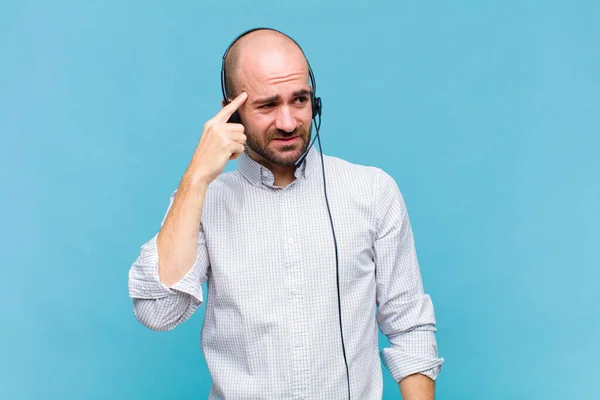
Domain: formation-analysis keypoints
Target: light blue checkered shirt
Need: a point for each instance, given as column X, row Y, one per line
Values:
column 271, row 327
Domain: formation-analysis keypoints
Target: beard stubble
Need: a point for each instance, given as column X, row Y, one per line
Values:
column 285, row 155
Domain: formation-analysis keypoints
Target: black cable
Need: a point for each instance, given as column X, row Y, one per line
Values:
column 337, row 272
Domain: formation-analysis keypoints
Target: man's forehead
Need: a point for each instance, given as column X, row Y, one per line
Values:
column 273, row 61
column 271, row 72
column 274, row 88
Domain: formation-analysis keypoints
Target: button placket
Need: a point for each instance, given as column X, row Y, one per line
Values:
column 294, row 289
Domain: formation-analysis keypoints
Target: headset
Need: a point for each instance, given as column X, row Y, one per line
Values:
column 316, row 116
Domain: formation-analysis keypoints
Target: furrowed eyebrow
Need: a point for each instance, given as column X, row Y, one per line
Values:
column 267, row 100
column 303, row 92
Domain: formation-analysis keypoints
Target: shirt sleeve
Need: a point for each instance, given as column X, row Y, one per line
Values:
column 156, row 305
column 405, row 312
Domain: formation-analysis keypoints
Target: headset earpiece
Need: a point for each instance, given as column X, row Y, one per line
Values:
column 316, row 106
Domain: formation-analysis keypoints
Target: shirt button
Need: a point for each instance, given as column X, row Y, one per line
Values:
column 290, row 241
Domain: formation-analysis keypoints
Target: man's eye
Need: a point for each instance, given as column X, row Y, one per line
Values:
column 268, row 105
column 301, row 99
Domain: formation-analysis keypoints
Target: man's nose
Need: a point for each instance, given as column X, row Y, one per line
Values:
column 285, row 120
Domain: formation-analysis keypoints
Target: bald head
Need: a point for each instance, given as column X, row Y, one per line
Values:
column 259, row 50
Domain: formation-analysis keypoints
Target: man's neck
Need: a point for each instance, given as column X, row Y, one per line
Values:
column 283, row 175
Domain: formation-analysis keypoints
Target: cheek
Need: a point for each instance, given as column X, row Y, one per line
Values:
column 307, row 119
column 304, row 116
column 258, row 125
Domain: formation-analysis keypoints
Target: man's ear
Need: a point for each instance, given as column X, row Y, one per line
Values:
column 223, row 103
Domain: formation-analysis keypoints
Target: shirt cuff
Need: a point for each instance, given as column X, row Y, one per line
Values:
column 401, row 364
column 433, row 372
column 144, row 281
column 412, row 352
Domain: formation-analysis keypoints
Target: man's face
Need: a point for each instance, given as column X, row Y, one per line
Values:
column 277, row 114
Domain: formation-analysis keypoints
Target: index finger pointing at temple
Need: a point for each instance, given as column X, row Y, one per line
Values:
column 227, row 111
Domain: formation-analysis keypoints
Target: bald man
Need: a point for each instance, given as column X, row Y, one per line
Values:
column 260, row 236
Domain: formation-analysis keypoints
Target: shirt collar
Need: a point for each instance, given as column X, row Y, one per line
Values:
column 259, row 175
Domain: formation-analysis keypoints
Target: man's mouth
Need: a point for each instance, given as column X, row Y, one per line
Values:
column 286, row 140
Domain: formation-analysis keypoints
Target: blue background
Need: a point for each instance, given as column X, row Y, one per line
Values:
column 486, row 113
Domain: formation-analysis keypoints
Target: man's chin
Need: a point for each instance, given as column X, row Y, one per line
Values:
column 286, row 160
column 286, row 156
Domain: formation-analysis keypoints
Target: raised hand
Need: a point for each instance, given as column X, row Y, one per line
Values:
column 220, row 142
